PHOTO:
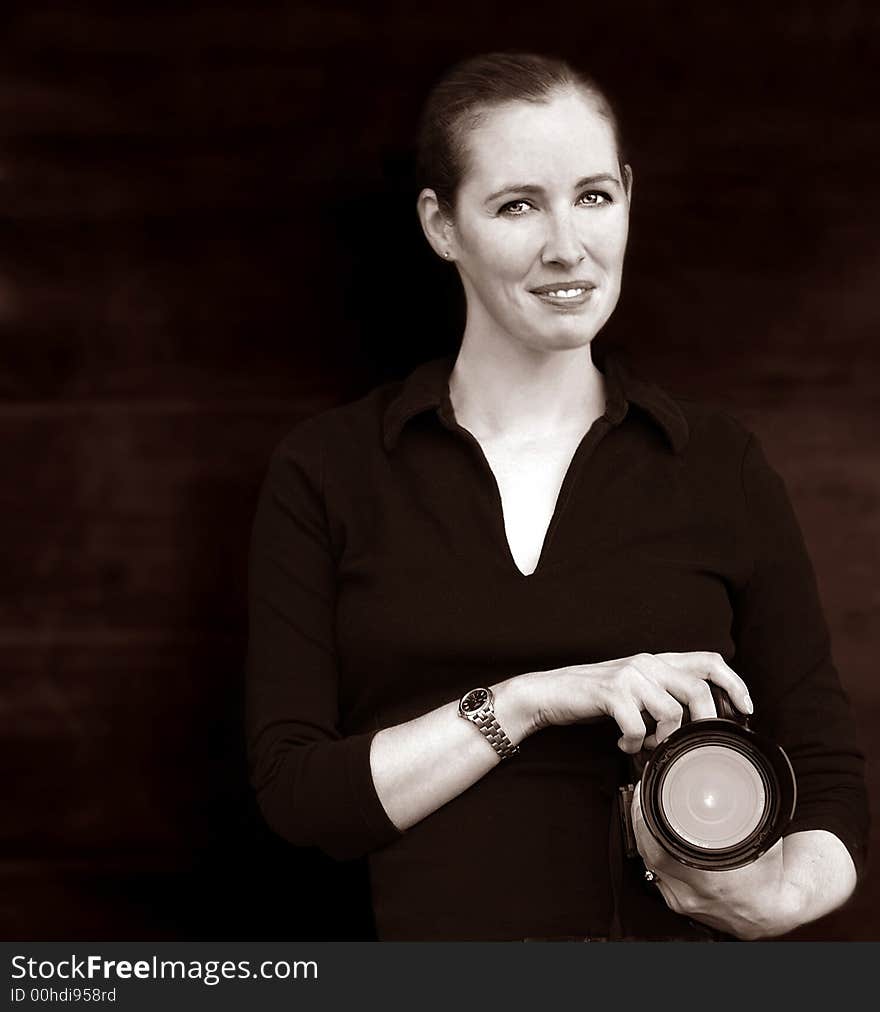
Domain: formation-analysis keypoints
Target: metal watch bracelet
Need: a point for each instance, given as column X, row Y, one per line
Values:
column 477, row 706
column 494, row 733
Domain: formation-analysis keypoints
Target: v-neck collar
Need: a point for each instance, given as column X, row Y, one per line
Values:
column 427, row 387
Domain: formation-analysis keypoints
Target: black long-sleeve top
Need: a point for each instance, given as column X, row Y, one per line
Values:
column 381, row 586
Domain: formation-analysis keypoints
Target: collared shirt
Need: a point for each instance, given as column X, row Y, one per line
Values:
column 382, row 586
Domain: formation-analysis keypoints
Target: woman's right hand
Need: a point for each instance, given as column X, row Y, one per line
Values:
column 623, row 689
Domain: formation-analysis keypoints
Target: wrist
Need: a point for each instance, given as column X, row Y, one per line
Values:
column 794, row 904
column 784, row 910
column 779, row 911
column 516, row 707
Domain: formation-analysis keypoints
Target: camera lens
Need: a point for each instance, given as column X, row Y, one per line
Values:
column 716, row 795
column 713, row 797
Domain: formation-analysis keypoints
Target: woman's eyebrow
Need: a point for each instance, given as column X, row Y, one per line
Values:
column 601, row 177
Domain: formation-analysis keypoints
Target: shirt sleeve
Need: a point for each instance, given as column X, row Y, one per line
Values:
column 313, row 785
column 783, row 652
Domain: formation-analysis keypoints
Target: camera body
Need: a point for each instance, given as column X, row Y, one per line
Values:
column 714, row 794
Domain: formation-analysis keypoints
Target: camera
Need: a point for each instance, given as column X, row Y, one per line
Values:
column 714, row 794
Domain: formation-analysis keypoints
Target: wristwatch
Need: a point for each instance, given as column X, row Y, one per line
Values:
column 478, row 706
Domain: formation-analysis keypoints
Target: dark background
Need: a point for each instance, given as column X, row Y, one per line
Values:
column 208, row 233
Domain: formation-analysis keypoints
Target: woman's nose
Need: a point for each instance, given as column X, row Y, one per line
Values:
column 563, row 244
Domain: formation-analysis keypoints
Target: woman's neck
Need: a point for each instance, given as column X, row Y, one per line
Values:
column 509, row 392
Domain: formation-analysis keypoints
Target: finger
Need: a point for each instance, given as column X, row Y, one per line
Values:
column 685, row 687
column 669, row 897
column 676, row 893
column 654, row 856
column 706, row 664
column 693, row 692
column 630, row 722
column 663, row 707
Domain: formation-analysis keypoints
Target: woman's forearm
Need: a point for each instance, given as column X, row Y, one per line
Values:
column 819, row 874
column 420, row 765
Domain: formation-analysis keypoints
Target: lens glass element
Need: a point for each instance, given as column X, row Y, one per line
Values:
column 713, row 796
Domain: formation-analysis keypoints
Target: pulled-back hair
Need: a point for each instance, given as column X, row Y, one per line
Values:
column 457, row 102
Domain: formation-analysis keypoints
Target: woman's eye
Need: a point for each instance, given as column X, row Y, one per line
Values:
column 515, row 207
column 592, row 198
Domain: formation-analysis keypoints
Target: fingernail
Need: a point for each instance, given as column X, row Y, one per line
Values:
column 750, row 706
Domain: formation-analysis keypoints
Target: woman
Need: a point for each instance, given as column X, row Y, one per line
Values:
column 468, row 589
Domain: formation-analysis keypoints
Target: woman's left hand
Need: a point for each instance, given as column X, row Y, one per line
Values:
column 756, row 901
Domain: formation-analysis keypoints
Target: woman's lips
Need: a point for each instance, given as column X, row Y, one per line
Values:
column 565, row 297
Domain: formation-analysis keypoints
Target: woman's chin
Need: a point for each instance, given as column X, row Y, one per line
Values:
column 569, row 331
column 569, row 335
column 559, row 341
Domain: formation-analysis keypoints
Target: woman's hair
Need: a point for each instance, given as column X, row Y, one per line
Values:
column 456, row 103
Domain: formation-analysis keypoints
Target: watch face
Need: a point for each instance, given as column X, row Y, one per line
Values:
column 474, row 700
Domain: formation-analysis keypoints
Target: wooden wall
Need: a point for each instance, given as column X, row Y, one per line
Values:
column 208, row 233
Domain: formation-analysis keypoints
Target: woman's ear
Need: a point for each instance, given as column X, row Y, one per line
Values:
column 438, row 229
column 628, row 182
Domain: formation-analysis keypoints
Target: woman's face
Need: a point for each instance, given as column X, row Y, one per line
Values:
column 541, row 222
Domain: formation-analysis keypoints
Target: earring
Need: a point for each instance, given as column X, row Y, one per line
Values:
column 446, row 254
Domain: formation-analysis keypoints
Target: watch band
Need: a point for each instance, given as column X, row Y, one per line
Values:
column 486, row 721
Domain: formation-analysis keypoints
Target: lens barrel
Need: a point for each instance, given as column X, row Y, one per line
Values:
column 717, row 795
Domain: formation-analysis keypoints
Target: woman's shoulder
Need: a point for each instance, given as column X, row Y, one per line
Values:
column 348, row 427
column 699, row 424
column 693, row 421
column 712, row 421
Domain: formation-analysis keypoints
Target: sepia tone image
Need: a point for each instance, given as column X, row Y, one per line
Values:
column 443, row 497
